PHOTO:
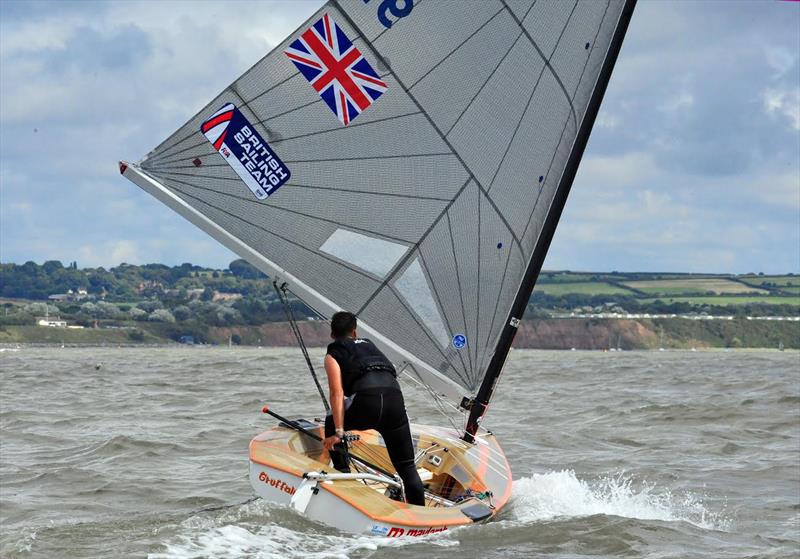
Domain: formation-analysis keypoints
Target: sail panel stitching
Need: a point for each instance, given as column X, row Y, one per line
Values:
column 278, row 235
column 563, row 130
column 547, row 59
column 460, row 289
column 288, row 210
column 530, row 98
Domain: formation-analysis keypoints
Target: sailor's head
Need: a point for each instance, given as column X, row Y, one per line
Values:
column 343, row 325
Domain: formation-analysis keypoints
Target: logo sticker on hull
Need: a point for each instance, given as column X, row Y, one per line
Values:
column 245, row 151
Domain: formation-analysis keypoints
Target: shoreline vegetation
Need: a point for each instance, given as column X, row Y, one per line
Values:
column 155, row 304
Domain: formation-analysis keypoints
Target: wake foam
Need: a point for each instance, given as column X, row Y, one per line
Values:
column 243, row 532
column 260, row 530
column 270, row 541
column 561, row 494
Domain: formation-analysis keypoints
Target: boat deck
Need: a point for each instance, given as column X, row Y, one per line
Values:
column 466, row 482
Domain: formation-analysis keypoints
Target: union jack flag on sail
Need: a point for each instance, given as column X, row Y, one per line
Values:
column 336, row 69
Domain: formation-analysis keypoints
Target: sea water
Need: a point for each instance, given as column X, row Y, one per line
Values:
column 141, row 452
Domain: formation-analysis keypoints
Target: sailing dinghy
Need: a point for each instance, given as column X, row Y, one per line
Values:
column 407, row 161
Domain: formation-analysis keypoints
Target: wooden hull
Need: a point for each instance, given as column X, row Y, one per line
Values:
column 467, row 483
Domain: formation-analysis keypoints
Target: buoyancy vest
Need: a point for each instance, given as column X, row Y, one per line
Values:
column 363, row 365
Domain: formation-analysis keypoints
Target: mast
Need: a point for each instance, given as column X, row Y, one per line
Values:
column 480, row 403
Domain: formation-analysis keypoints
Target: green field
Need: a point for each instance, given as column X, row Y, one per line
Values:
column 795, row 290
column 563, row 277
column 48, row 335
column 774, row 280
column 679, row 286
column 582, row 288
column 725, row 300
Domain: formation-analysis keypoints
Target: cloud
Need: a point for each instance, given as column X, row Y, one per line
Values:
column 785, row 103
column 693, row 163
column 85, row 84
column 780, row 59
column 630, row 208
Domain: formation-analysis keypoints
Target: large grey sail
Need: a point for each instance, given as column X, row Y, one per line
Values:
column 421, row 210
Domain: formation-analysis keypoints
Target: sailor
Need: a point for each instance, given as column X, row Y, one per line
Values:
column 365, row 394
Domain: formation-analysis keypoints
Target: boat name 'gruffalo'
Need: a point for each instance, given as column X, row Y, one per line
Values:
column 276, row 483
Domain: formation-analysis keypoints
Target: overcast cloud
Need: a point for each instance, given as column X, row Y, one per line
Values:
column 694, row 164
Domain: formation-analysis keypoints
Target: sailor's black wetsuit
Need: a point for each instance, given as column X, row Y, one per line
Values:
column 369, row 379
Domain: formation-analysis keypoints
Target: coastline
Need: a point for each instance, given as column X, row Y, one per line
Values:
column 594, row 334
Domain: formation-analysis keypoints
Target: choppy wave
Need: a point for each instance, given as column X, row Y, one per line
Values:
column 237, row 534
column 550, row 496
column 563, row 495
column 147, row 454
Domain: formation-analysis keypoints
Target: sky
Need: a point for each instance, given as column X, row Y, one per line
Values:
column 693, row 165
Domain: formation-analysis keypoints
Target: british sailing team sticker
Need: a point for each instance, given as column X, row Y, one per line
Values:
column 245, row 151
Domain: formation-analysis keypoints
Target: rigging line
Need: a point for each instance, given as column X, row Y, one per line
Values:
column 267, row 231
column 437, row 400
column 461, row 44
column 564, row 129
column 331, row 188
column 429, row 119
column 547, row 60
column 274, row 206
column 287, row 308
column 460, row 290
column 279, row 140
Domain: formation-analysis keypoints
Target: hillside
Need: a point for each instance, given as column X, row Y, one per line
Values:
column 155, row 303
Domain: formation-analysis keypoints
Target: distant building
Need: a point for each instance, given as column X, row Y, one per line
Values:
column 70, row 295
column 225, row 296
column 51, row 322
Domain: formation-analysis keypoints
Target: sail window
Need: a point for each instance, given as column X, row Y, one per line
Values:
column 372, row 254
column 413, row 286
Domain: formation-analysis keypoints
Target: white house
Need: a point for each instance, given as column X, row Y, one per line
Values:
column 52, row 322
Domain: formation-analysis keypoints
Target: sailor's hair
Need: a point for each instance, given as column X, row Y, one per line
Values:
column 342, row 323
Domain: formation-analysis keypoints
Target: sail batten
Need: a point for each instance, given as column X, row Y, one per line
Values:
column 416, row 185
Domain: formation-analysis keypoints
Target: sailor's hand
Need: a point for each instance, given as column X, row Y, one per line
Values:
column 329, row 442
